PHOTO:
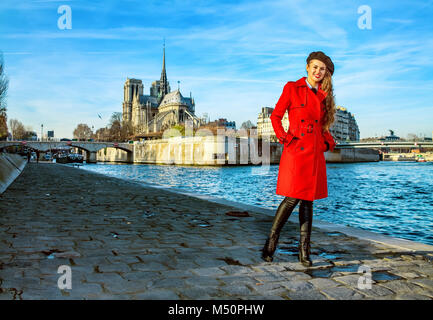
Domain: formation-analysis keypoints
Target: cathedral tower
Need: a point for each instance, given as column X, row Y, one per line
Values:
column 132, row 88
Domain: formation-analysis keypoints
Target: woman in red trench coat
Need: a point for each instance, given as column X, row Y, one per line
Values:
column 309, row 102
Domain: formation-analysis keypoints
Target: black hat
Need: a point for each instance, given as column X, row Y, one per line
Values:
column 319, row 55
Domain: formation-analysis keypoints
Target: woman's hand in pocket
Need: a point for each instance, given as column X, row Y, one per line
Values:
column 325, row 146
column 290, row 142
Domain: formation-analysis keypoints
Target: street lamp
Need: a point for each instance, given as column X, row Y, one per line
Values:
column 42, row 129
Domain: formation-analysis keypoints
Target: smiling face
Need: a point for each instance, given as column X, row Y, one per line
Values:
column 316, row 71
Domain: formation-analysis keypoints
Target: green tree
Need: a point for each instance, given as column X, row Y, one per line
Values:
column 180, row 128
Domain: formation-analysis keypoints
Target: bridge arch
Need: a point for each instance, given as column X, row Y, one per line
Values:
column 115, row 154
column 91, row 148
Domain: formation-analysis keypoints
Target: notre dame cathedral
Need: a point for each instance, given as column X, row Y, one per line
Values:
column 158, row 111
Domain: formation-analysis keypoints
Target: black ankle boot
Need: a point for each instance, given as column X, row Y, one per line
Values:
column 283, row 213
column 304, row 251
column 305, row 223
column 269, row 247
column 266, row 253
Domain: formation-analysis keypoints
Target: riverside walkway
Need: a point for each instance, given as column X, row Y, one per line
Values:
column 124, row 240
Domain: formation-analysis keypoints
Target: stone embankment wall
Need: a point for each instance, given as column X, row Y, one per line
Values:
column 199, row 150
column 352, row 155
column 210, row 150
column 11, row 165
column 113, row 155
column 428, row 156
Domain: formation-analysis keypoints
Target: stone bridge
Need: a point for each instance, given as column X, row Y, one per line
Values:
column 91, row 148
column 386, row 144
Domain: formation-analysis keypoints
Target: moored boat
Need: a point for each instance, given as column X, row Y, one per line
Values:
column 75, row 158
column 61, row 158
column 69, row 158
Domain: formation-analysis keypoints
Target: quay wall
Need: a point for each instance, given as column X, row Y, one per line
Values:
column 113, row 155
column 218, row 151
column 198, row 150
column 428, row 156
column 352, row 155
column 11, row 165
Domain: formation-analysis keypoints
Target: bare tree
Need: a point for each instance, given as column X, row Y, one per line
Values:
column 102, row 134
column 17, row 129
column 412, row 137
column 116, row 117
column 13, row 124
column 3, row 127
column 4, row 83
column 30, row 135
column 119, row 129
column 247, row 125
column 127, row 130
column 83, row 132
column 116, row 131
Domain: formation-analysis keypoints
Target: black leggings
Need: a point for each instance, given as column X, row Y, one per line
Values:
column 285, row 209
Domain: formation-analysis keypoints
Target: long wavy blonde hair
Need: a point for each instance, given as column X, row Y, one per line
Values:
column 330, row 109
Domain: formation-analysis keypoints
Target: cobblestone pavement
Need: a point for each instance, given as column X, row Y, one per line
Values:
column 123, row 240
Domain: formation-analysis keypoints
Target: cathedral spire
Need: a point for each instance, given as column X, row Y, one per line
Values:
column 163, row 85
column 163, row 74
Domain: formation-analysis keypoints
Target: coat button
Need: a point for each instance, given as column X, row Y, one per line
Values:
column 302, row 120
column 302, row 134
column 302, row 104
column 302, row 148
column 316, row 121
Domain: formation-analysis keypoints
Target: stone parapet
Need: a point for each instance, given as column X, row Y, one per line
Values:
column 11, row 166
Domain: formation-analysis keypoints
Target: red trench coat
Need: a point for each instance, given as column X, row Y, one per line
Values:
column 302, row 170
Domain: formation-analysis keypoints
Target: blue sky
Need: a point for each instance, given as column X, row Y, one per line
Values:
column 234, row 56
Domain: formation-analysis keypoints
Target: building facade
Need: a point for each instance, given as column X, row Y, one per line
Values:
column 223, row 123
column 160, row 109
column 264, row 124
column 344, row 127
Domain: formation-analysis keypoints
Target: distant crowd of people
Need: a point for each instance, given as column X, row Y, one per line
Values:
column 29, row 156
